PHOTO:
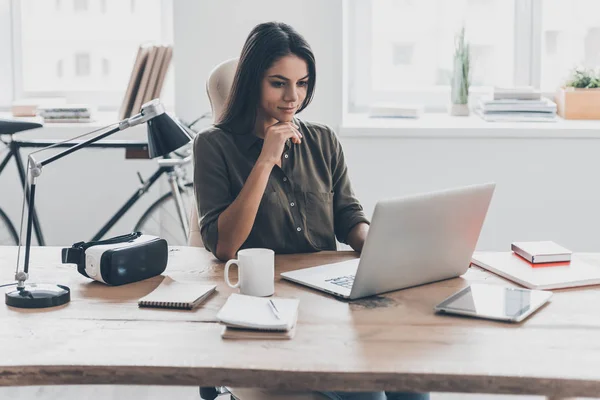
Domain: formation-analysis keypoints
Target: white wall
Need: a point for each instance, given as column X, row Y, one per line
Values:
column 209, row 32
column 79, row 193
column 546, row 188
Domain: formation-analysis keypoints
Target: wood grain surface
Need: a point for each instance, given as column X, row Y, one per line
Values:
column 392, row 341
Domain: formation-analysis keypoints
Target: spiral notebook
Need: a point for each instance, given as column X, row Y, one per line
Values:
column 177, row 294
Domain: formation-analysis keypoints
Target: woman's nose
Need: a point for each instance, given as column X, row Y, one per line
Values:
column 290, row 95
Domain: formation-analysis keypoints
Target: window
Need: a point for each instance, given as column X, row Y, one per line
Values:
column 570, row 37
column 401, row 50
column 82, row 49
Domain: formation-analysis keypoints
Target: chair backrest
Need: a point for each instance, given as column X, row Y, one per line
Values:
column 218, row 87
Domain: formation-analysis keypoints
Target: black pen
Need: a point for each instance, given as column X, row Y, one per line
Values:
column 274, row 309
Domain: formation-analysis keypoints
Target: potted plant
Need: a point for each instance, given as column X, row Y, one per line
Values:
column 579, row 98
column 461, row 77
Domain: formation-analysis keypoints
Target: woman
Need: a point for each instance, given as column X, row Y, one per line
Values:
column 264, row 178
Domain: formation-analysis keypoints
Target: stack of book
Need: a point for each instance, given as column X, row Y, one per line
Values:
column 516, row 105
column 249, row 317
column 66, row 113
column 147, row 77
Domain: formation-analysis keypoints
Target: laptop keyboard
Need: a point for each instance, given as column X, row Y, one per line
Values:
column 343, row 281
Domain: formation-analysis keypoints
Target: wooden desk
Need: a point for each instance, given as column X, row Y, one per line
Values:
column 392, row 342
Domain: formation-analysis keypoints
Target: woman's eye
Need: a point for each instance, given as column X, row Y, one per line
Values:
column 277, row 84
column 302, row 83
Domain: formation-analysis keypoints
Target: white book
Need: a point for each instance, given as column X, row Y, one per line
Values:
column 522, row 106
column 516, row 117
column 241, row 311
column 522, row 93
column 583, row 270
column 541, row 251
column 395, row 110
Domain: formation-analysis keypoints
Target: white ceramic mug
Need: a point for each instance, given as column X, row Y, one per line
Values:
column 256, row 272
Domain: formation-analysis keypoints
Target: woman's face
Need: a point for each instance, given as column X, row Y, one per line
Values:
column 284, row 88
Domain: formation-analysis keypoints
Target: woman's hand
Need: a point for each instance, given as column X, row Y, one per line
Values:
column 275, row 137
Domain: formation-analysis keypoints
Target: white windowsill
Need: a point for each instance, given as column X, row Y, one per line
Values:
column 445, row 126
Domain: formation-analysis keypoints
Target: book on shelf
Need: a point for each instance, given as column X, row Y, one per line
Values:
column 68, row 120
column 28, row 107
column 517, row 93
column 147, row 77
column 542, row 105
column 164, row 68
column 67, row 113
column 395, row 110
column 154, row 73
column 134, row 81
column 516, row 116
column 541, row 251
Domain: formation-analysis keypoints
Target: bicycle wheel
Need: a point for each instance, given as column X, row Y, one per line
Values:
column 162, row 219
column 8, row 234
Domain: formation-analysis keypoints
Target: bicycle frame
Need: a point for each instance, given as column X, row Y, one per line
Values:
column 166, row 165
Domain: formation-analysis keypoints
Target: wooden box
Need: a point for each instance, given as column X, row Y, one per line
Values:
column 575, row 103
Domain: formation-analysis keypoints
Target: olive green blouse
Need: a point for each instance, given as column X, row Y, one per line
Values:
column 307, row 203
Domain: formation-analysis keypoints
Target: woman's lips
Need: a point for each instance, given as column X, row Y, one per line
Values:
column 287, row 110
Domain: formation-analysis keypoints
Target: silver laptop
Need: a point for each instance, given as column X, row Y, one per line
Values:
column 413, row 240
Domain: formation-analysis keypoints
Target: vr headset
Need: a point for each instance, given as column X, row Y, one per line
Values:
column 119, row 260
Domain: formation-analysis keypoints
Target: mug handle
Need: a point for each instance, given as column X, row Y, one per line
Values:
column 236, row 262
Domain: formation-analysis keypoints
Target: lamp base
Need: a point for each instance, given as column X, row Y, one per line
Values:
column 40, row 295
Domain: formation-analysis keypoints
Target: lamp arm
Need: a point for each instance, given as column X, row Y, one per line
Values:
column 149, row 110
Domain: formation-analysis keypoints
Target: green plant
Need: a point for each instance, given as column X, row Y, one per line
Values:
column 583, row 78
column 461, row 77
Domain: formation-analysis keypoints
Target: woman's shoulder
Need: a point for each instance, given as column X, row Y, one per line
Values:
column 315, row 126
column 212, row 135
column 318, row 132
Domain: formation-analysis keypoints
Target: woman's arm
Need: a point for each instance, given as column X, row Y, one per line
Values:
column 357, row 236
column 235, row 223
column 350, row 223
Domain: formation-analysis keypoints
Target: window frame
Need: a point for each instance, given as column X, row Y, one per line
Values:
column 6, row 65
column 103, row 100
column 527, row 59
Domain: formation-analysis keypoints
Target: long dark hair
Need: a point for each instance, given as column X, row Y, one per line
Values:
column 267, row 43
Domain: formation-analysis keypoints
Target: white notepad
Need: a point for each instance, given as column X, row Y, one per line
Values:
column 177, row 294
column 241, row 311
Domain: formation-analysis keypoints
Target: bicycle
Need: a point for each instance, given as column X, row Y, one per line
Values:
column 167, row 217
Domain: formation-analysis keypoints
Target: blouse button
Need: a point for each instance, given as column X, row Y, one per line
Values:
column 298, row 229
column 286, row 155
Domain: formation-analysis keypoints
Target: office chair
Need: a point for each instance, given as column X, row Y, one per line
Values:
column 217, row 88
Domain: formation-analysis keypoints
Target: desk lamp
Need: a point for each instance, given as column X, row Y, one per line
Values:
column 164, row 136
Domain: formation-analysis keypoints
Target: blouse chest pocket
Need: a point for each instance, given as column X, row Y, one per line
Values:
column 319, row 218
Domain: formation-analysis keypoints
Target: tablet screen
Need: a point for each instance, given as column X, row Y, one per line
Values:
column 495, row 301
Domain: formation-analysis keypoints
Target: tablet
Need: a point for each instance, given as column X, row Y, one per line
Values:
column 496, row 302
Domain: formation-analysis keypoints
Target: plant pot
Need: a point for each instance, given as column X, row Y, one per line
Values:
column 459, row 110
column 575, row 103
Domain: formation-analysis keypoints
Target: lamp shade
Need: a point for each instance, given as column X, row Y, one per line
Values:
column 165, row 135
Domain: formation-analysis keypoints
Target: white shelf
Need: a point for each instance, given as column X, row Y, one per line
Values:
column 62, row 131
column 446, row 126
